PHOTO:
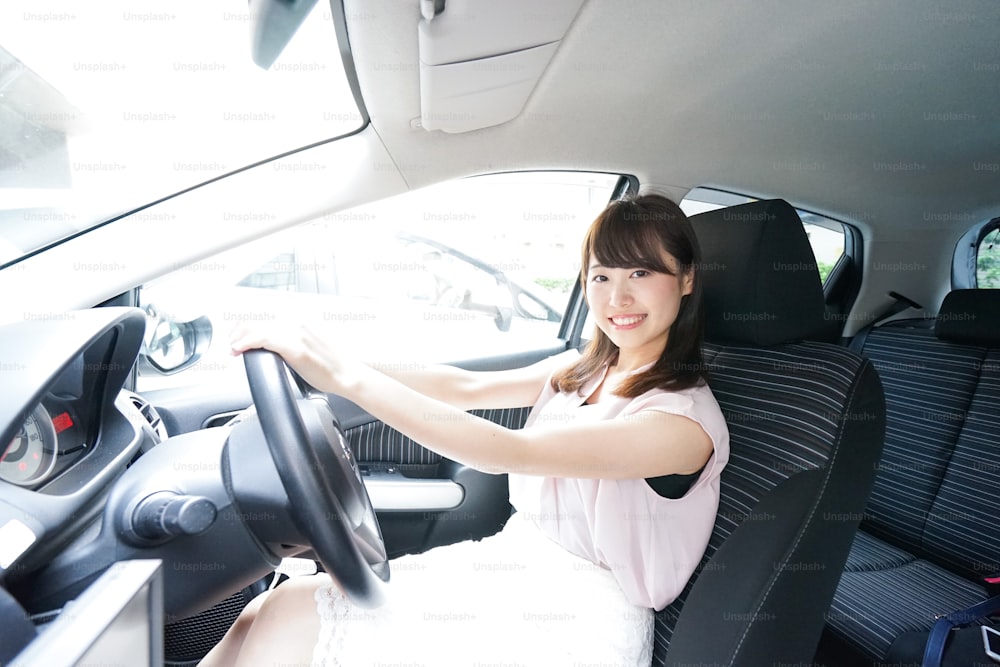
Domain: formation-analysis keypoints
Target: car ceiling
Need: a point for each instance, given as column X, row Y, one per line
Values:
column 873, row 111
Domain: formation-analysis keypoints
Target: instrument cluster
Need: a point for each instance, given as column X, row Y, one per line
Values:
column 41, row 446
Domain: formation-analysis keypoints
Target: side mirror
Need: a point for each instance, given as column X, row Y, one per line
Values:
column 503, row 318
column 170, row 346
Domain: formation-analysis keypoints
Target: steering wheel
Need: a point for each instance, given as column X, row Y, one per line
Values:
column 316, row 466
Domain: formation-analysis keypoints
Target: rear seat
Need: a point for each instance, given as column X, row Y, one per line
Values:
column 931, row 530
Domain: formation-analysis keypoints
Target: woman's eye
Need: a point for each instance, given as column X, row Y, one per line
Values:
column 598, row 279
column 641, row 273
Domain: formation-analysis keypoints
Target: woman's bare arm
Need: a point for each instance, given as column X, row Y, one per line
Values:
column 648, row 444
column 467, row 390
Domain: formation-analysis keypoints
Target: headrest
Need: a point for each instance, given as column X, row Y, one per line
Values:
column 760, row 280
column 970, row 316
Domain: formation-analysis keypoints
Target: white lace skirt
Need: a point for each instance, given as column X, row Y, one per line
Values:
column 515, row 599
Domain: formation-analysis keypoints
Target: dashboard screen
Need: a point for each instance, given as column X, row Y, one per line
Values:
column 117, row 620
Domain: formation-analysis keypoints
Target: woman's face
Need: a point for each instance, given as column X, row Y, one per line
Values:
column 636, row 307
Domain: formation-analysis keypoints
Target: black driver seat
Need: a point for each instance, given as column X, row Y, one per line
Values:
column 806, row 422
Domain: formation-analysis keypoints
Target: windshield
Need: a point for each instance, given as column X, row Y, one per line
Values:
column 105, row 107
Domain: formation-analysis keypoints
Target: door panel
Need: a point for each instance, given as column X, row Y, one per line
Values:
column 424, row 500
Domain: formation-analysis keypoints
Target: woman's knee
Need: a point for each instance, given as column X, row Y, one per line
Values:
column 285, row 626
column 249, row 614
column 295, row 596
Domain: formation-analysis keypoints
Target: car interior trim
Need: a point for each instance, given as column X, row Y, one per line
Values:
column 393, row 492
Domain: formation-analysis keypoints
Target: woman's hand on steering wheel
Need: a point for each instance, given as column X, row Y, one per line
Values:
column 305, row 352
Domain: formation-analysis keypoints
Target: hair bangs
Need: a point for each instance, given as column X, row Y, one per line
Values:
column 626, row 236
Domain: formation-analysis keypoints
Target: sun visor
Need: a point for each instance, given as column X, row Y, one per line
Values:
column 480, row 59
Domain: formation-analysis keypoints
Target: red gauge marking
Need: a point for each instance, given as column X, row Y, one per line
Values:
column 61, row 422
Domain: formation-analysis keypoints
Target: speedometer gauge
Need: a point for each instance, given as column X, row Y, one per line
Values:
column 31, row 455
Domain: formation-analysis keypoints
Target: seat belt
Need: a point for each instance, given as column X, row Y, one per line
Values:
column 899, row 304
column 934, row 650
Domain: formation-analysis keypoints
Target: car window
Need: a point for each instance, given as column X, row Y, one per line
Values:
column 108, row 106
column 826, row 236
column 469, row 268
column 988, row 261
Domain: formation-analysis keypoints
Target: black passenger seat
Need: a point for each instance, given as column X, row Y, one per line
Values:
column 931, row 531
column 806, row 422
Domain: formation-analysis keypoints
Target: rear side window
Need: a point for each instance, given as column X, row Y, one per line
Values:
column 826, row 236
column 988, row 261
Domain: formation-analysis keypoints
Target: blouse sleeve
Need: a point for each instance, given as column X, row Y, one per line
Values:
column 699, row 405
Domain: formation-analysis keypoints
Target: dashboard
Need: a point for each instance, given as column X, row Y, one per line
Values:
column 59, row 430
column 87, row 479
column 66, row 431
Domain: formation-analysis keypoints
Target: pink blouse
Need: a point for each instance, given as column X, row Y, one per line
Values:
column 650, row 543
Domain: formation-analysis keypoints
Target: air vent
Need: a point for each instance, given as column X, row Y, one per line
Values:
column 149, row 414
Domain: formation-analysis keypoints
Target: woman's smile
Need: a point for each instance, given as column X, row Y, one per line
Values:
column 625, row 322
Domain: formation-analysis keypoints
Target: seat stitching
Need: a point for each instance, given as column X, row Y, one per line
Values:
column 852, row 392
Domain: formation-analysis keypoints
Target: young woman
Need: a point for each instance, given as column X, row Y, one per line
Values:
column 615, row 480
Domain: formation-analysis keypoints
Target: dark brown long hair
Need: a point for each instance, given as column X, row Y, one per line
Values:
column 630, row 233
